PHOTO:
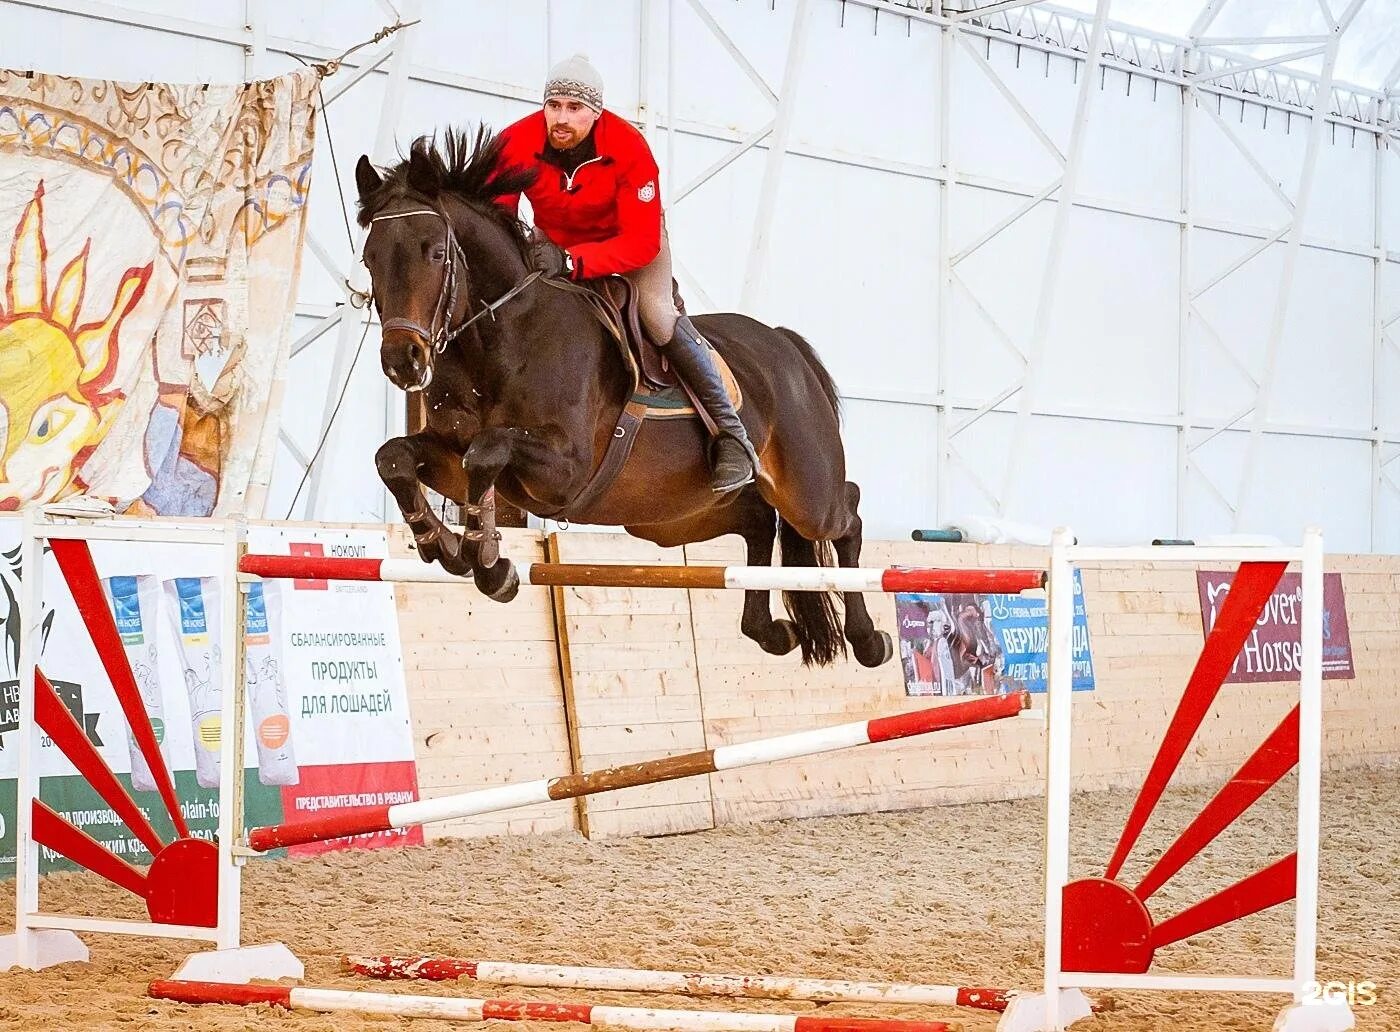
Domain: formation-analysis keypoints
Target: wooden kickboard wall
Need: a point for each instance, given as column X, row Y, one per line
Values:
column 595, row 677
column 485, row 692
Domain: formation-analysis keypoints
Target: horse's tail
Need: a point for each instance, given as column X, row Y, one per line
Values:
column 813, row 613
column 809, row 355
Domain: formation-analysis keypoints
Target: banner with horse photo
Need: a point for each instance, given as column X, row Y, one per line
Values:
column 975, row 644
column 151, row 235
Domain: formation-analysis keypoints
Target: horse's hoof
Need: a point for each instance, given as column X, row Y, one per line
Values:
column 881, row 653
column 781, row 638
column 509, row 587
column 450, row 558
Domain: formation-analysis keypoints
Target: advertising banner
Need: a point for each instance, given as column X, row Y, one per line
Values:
column 975, row 644
column 1273, row 650
column 328, row 724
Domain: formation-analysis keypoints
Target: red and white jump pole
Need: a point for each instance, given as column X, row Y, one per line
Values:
column 371, row 819
column 612, row 575
column 680, row 983
column 342, row 1000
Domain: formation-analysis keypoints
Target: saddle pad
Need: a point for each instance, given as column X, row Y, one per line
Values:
column 675, row 403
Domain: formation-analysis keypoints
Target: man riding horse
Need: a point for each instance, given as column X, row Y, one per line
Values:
column 524, row 392
column 597, row 212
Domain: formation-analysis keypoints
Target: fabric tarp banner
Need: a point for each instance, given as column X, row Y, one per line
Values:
column 151, row 236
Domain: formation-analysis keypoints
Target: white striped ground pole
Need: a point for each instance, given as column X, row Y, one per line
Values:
column 371, row 819
column 343, row 1000
column 680, row 983
column 615, row 575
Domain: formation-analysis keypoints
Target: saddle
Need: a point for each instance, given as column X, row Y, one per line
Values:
column 657, row 392
column 656, row 387
column 652, row 365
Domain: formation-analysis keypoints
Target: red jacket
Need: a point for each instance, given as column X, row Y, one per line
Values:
column 607, row 215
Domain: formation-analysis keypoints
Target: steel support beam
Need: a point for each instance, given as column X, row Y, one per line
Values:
column 1264, row 396
column 1377, row 345
column 947, row 187
column 1184, row 384
column 254, row 51
column 341, row 364
column 1205, row 18
column 1265, row 62
column 773, row 165
column 1050, row 280
column 732, row 49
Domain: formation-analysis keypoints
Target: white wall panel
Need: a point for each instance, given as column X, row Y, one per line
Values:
column 710, row 86
column 1240, row 308
column 1324, row 369
column 892, row 453
column 1112, row 336
column 63, row 44
column 1225, row 186
column 865, row 299
column 1111, row 484
column 869, row 87
column 1003, row 275
column 1299, row 481
column 989, row 137
column 1342, row 209
column 1390, row 193
column 1124, row 153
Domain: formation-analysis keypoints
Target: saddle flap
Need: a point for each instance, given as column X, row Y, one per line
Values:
column 655, row 369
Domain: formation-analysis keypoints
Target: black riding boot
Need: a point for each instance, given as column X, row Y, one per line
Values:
column 734, row 461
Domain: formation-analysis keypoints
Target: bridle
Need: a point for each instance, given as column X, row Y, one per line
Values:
column 439, row 336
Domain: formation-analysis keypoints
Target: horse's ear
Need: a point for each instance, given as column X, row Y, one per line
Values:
column 367, row 179
column 424, row 167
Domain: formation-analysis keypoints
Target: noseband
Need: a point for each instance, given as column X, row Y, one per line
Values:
column 438, row 337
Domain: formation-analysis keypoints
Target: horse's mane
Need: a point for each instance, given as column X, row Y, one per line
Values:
column 469, row 169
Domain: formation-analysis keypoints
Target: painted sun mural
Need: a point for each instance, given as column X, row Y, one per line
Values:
column 55, row 365
column 151, row 238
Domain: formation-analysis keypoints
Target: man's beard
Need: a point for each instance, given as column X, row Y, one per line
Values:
column 567, row 142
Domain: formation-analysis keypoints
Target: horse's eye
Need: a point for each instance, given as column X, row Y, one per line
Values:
column 439, row 254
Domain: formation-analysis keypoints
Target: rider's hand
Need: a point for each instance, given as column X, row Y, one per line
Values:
column 549, row 259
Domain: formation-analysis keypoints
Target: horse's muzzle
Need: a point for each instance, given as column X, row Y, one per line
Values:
column 407, row 360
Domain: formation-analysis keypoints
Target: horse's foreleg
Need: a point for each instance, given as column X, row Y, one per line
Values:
column 759, row 528
column 487, row 455
column 870, row 647
column 405, row 464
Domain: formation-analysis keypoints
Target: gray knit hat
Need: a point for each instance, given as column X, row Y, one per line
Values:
column 576, row 79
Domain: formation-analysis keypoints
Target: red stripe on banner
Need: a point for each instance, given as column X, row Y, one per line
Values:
column 309, row 567
column 536, row 1010
column 1000, row 582
column 361, row 821
column 1249, row 591
column 957, row 714
column 219, row 992
column 810, row 1024
column 75, row 562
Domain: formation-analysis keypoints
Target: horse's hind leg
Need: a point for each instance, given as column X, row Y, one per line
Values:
column 744, row 513
column 871, row 647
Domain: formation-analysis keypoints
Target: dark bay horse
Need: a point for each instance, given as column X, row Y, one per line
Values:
column 523, row 388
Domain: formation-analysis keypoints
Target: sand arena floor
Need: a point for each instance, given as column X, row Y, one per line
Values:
column 940, row 895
